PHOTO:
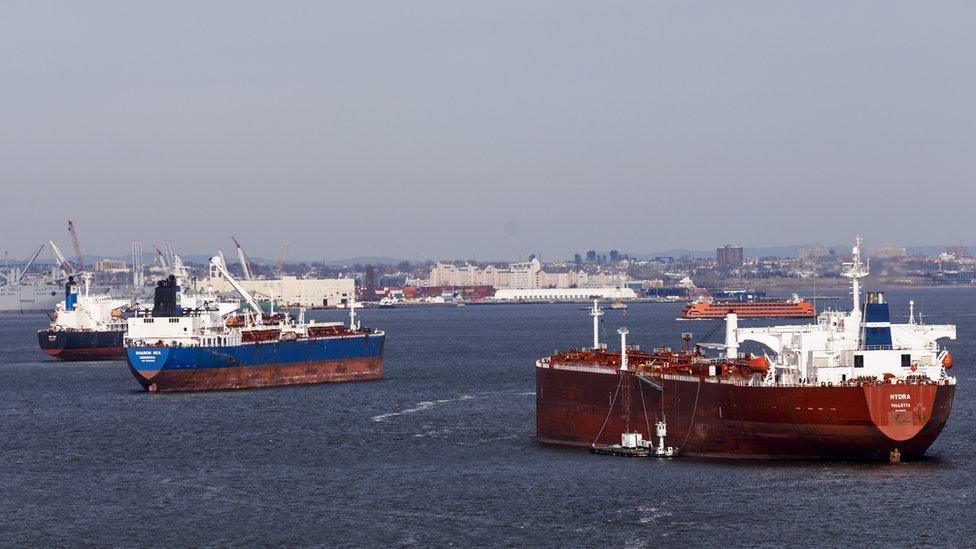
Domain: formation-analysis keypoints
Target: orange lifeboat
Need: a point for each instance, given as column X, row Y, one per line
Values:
column 759, row 363
column 947, row 360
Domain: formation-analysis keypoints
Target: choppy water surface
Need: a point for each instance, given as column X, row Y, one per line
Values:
column 441, row 451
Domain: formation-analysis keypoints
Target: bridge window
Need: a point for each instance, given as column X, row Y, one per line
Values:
column 858, row 361
column 906, row 361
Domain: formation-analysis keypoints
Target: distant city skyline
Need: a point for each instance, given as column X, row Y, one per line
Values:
column 429, row 130
column 601, row 254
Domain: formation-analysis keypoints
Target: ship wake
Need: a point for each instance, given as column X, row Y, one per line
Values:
column 420, row 407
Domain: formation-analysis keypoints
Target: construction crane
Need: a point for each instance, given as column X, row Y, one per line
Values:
column 280, row 269
column 74, row 242
column 243, row 259
column 66, row 267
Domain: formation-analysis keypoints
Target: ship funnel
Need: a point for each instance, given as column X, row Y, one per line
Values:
column 70, row 294
column 166, row 298
column 623, row 348
column 731, row 338
column 877, row 322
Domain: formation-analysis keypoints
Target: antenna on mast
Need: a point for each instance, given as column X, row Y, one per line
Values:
column 856, row 270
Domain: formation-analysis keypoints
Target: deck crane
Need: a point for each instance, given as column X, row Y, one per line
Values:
column 280, row 269
column 66, row 267
column 23, row 271
column 218, row 264
column 243, row 259
column 74, row 243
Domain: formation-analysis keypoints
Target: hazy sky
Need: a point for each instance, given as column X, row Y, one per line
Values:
column 485, row 129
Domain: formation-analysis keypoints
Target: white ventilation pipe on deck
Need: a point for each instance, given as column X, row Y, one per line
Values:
column 731, row 338
column 623, row 348
column 595, row 312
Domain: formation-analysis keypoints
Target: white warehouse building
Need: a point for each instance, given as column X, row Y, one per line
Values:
column 290, row 291
column 563, row 294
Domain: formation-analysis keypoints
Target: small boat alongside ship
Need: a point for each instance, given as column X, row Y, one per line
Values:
column 851, row 386
column 174, row 349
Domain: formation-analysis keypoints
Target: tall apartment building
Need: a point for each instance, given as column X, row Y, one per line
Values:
column 728, row 257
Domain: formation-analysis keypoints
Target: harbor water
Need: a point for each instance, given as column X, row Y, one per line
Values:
column 440, row 452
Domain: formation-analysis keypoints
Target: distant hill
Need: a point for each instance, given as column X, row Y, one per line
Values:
column 771, row 251
column 780, row 251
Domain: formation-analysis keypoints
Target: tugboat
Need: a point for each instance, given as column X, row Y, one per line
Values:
column 86, row 326
column 851, row 386
column 171, row 348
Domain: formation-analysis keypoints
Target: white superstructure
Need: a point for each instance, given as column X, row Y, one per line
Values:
column 202, row 320
column 89, row 312
column 847, row 347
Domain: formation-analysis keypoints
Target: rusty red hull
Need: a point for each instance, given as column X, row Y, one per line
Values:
column 266, row 375
column 723, row 420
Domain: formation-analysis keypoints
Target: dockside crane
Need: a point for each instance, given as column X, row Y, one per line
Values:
column 14, row 278
column 160, row 257
column 138, row 272
column 77, row 247
column 65, row 265
column 170, row 254
column 280, row 268
column 243, row 259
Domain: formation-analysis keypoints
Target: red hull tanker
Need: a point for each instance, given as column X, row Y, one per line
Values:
column 851, row 386
column 584, row 399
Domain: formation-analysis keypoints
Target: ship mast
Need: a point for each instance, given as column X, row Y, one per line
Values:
column 856, row 270
column 596, row 313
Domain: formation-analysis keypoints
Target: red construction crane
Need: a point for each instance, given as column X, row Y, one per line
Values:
column 74, row 242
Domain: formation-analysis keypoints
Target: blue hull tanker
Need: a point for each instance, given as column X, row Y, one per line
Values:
column 173, row 349
column 349, row 357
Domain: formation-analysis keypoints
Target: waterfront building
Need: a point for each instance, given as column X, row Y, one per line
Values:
column 563, row 294
column 522, row 275
column 290, row 291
